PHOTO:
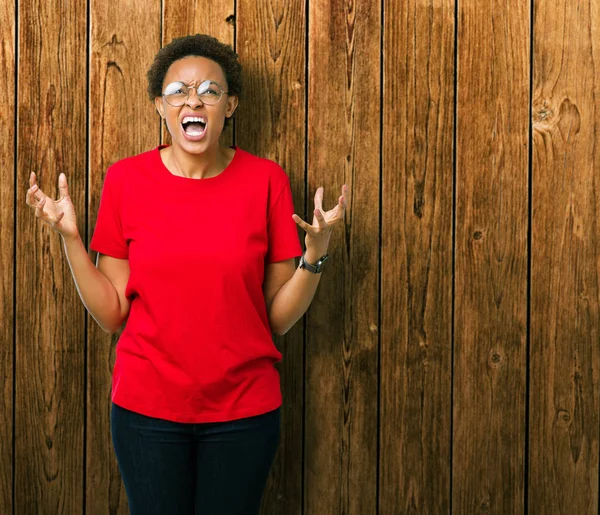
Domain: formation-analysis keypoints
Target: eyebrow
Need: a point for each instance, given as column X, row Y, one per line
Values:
column 188, row 85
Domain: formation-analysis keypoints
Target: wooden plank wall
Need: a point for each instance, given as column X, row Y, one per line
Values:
column 449, row 361
column 490, row 302
column 565, row 256
column 416, row 257
column 49, row 341
column 7, row 264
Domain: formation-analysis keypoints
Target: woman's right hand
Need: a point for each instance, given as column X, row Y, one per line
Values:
column 59, row 214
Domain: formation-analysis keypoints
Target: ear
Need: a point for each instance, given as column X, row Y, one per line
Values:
column 232, row 103
column 159, row 106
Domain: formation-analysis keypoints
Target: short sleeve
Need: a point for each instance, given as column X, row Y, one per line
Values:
column 108, row 234
column 283, row 239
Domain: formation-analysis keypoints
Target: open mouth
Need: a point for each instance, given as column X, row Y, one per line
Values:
column 194, row 127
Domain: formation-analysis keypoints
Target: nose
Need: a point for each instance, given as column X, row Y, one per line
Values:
column 193, row 93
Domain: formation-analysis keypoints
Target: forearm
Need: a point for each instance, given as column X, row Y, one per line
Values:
column 97, row 293
column 293, row 298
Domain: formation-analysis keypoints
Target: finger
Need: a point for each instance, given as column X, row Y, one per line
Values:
column 63, row 187
column 29, row 196
column 320, row 219
column 342, row 204
column 33, row 196
column 307, row 227
column 319, row 198
column 39, row 208
column 31, row 179
column 345, row 195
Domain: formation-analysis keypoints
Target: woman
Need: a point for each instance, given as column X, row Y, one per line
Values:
column 196, row 249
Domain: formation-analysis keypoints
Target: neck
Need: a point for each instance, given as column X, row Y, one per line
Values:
column 197, row 166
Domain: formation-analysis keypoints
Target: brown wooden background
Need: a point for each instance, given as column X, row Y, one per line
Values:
column 450, row 361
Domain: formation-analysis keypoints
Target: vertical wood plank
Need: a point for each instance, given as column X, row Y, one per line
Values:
column 184, row 18
column 271, row 123
column 342, row 341
column 50, row 339
column 565, row 269
column 7, row 264
column 416, row 286
column 491, row 257
column 123, row 122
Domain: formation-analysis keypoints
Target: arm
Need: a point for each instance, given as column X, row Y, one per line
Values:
column 288, row 292
column 101, row 288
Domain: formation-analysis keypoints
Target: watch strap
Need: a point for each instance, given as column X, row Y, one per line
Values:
column 316, row 268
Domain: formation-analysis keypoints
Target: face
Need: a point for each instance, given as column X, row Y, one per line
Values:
column 193, row 71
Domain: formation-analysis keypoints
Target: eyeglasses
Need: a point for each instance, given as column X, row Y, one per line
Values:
column 177, row 93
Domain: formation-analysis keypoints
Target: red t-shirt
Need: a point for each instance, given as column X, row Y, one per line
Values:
column 197, row 346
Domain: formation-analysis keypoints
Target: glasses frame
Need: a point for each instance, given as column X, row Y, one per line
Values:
column 193, row 88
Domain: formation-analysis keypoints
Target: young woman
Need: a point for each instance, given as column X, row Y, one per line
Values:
column 196, row 251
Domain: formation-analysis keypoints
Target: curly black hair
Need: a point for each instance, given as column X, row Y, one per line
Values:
column 201, row 45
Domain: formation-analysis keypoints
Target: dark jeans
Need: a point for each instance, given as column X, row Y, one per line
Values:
column 172, row 468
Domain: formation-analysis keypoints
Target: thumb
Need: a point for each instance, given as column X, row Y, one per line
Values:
column 63, row 188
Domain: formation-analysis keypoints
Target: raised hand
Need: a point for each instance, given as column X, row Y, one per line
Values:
column 318, row 234
column 59, row 214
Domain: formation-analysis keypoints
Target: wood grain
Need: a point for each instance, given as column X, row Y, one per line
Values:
column 50, row 320
column 565, row 272
column 491, row 257
column 7, row 262
column 342, row 339
column 271, row 123
column 123, row 122
column 416, row 294
column 185, row 17
column 331, row 384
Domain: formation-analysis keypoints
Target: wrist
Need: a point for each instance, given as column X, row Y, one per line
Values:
column 71, row 238
column 311, row 256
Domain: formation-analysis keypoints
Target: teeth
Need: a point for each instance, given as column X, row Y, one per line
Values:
column 187, row 119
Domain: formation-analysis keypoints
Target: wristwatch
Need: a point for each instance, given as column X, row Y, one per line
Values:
column 316, row 268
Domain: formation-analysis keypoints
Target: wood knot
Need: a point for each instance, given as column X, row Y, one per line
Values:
column 50, row 101
column 495, row 358
column 419, row 199
column 484, row 503
column 544, row 117
column 569, row 120
column 563, row 418
column 230, row 19
column 477, row 235
column 543, row 112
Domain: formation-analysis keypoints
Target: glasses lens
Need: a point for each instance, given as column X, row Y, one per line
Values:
column 208, row 92
column 176, row 93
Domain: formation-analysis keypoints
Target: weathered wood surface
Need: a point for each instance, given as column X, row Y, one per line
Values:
column 123, row 122
column 490, row 333
column 337, row 92
column 565, row 271
column 416, row 266
column 270, row 40
column 50, row 320
column 7, row 261
column 342, row 334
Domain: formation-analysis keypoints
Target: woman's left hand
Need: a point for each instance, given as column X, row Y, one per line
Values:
column 318, row 234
